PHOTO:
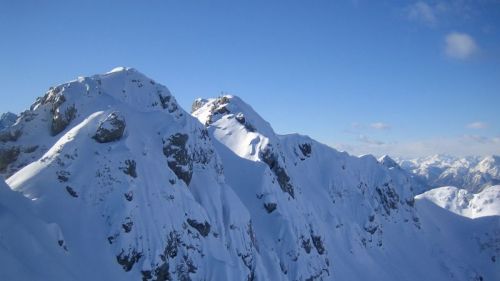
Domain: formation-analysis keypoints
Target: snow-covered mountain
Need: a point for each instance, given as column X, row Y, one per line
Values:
column 465, row 203
column 123, row 184
column 7, row 120
column 470, row 173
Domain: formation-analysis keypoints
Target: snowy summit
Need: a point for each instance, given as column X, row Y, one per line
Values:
column 108, row 178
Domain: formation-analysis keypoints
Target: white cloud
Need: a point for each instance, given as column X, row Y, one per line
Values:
column 459, row 146
column 380, row 126
column 477, row 125
column 369, row 141
column 421, row 11
column 460, row 45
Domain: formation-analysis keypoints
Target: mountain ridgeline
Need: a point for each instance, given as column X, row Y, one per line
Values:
column 113, row 180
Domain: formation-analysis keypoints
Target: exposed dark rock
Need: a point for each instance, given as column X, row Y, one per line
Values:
column 62, row 244
column 197, row 104
column 203, row 228
column 10, row 135
column 7, row 156
column 129, row 196
column 185, row 268
column 179, row 160
column 28, row 116
column 318, row 243
column 127, row 226
column 306, row 149
column 173, row 242
column 241, row 119
column 110, row 129
column 371, row 228
column 306, row 244
column 162, row 273
column 283, row 179
column 388, row 197
column 30, row 149
column 71, row 191
column 146, row 275
column 410, row 201
column 111, row 239
column 60, row 120
column 164, row 100
column 222, row 110
column 167, row 102
column 252, row 236
column 63, row 176
column 128, row 261
column 129, row 168
column 270, row 207
column 218, row 107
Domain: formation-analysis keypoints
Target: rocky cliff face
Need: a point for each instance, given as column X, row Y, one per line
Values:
column 141, row 190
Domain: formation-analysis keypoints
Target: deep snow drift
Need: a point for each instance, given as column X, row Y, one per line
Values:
column 123, row 184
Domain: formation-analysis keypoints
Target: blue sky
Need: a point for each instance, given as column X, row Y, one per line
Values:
column 406, row 78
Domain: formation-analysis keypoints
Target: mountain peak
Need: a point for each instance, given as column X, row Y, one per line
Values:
column 231, row 109
column 122, row 178
column 7, row 119
column 387, row 161
column 121, row 69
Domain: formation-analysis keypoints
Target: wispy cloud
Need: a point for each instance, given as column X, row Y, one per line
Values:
column 358, row 128
column 423, row 12
column 380, row 126
column 444, row 12
column 367, row 140
column 459, row 146
column 460, row 45
column 477, row 125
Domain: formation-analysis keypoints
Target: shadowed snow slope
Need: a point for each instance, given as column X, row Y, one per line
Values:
column 126, row 185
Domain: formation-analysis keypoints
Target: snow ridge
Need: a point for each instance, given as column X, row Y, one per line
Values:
column 116, row 174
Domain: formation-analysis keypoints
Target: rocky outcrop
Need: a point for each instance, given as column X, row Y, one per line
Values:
column 8, row 135
column 62, row 113
column 197, row 104
column 179, row 161
column 202, row 228
column 240, row 117
column 110, row 129
column 7, row 156
column 271, row 159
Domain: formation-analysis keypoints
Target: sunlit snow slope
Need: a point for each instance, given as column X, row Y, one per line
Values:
column 120, row 183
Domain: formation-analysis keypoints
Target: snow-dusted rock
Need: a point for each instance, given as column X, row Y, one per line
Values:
column 111, row 128
column 7, row 119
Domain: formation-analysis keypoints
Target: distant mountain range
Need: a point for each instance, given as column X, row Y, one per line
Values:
column 108, row 178
column 470, row 173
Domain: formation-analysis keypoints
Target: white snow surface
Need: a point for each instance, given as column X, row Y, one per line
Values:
column 471, row 173
column 214, row 196
column 465, row 203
